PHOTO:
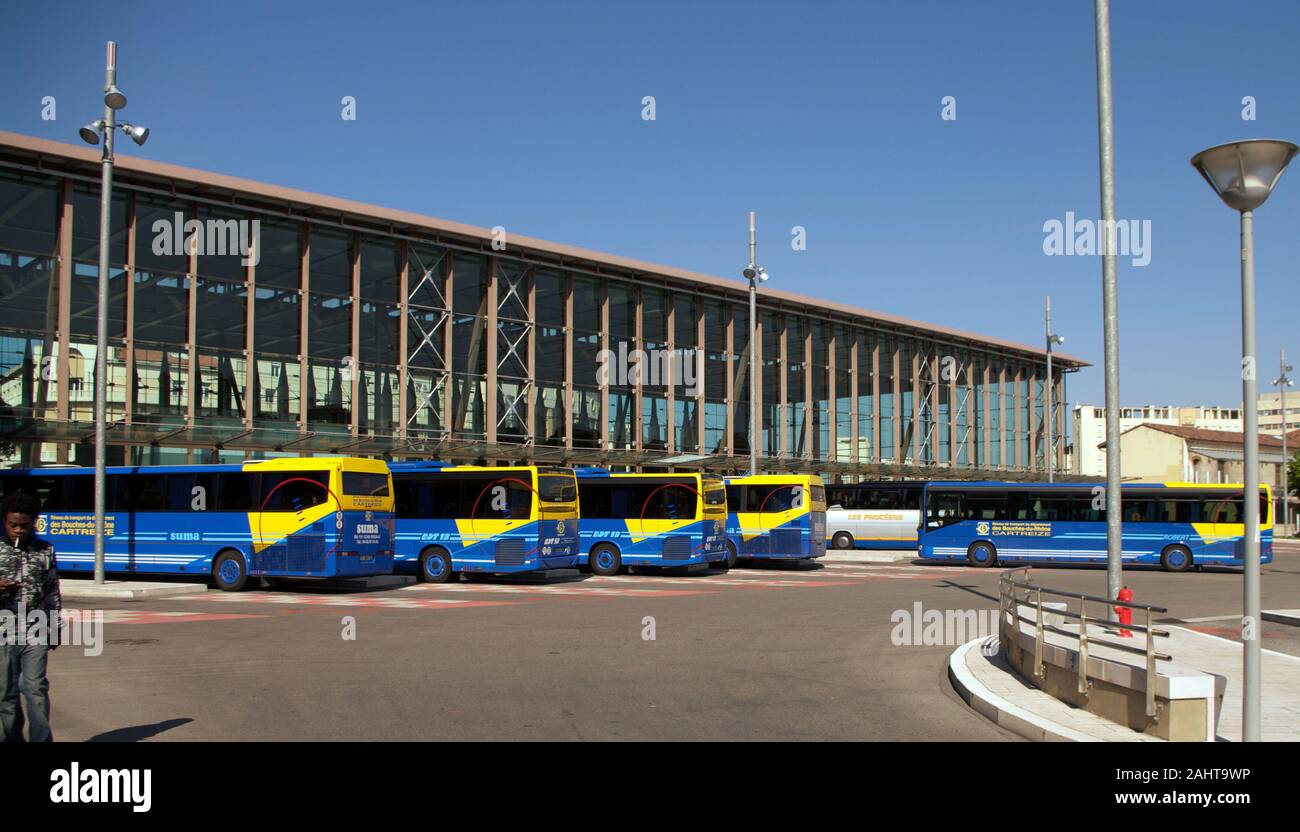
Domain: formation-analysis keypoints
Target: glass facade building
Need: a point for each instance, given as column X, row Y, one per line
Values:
column 346, row 328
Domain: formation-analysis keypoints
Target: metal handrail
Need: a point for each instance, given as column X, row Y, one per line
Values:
column 1009, row 602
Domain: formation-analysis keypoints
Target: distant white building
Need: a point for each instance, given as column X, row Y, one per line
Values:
column 1089, row 433
column 1270, row 412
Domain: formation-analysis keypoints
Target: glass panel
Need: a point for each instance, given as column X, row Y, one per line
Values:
column 277, row 321
column 549, row 417
column 85, row 301
column 426, row 277
column 380, row 330
column 424, row 402
column 469, row 282
column 654, row 422
column 277, row 386
column 220, row 317
column 426, row 334
column 162, row 304
column 469, row 345
column 159, row 385
column 331, row 262
column 329, row 326
column 280, row 257
column 551, row 288
column 586, row 417
column 329, row 394
column 378, row 387
column 381, row 269
column 222, row 378
column 468, row 406
column 159, row 235
column 226, row 244
column 81, row 381
column 85, row 227
column 512, row 290
column 28, row 385
column 622, row 309
column 29, row 292
column 29, row 212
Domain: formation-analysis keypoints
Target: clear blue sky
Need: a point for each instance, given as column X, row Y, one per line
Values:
column 823, row 115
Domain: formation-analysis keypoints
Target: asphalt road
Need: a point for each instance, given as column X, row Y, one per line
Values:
column 760, row 653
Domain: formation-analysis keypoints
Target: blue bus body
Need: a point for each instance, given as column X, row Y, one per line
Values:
column 447, row 511
column 665, row 520
column 1174, row 525
column 177, row 519
column 777, row 516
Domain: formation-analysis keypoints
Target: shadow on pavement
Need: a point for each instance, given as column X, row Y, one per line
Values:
column 136, row 733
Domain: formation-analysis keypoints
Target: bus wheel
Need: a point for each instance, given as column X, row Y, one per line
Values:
column 731, row 554
column 229, row 571
column 435, row 565
column 1176, row 559
column 842, row 540
column 981, row 553
column 605, row 560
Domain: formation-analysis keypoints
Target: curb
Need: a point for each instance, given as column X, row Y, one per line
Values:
column 1291, row 617
column 867, row 557
column 124, row 591
column 998, row 710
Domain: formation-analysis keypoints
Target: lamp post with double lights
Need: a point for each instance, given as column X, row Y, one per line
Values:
column 1282, row 382
column 1052, row 340
column 1243, row 174
column 755, row 274
column 92, row 133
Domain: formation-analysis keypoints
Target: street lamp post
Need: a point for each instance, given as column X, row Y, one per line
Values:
column 1109, row 303
column 755, row 274
column 1243, row 174
column 1052, row 340
column 114, row 100
column 1282, row 382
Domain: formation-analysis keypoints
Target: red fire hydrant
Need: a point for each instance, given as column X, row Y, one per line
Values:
column 1125, row 613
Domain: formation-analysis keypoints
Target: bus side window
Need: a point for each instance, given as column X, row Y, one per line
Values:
column 235, row 491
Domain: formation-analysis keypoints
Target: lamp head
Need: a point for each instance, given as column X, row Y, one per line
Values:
column 90, row 133
column 1243, row 174
column 114, row 98
column 138, row 134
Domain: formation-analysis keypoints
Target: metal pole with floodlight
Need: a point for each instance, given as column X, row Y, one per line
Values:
column 1282, row 382
column 114, row 100
column 1243, row 174
column 755, row 274
column 1052, row 340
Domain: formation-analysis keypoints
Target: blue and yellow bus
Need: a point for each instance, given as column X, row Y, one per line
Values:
column 1174, row 525
column 776, row 516
column 479, row 520
column 275, row 518
column 673, row 520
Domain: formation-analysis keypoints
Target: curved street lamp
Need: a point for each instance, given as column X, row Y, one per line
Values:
column 1243, row 174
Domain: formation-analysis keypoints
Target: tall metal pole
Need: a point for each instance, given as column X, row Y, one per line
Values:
column 1051, row 390
column 1251, row 699
column 101, row 331
column 1110, row 303
column 753, row 369
column 1284, row 381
